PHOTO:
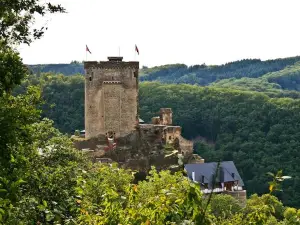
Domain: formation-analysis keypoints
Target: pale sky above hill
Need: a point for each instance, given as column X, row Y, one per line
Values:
column 169, row 31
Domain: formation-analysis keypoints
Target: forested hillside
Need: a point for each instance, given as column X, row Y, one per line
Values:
column 259, row 133
column 180, row 73
column 63, row 99
column 288, row 78
column 282, row 83
column 67, row 69
column 204, row 75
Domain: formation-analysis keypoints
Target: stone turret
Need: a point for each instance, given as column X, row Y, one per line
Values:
column 166, row 116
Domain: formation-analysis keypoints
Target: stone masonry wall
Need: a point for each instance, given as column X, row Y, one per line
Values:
column 111, row 97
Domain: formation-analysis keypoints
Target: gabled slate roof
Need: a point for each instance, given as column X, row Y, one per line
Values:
column 227, row 172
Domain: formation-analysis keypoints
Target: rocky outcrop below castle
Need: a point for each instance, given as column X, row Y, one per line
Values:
column 149, row 145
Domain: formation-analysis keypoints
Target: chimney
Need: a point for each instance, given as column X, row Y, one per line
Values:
column 115, row 59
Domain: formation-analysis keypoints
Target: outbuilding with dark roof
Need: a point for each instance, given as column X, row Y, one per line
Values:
column 227, row 178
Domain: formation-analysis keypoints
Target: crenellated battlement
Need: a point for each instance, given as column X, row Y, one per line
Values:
column 112, row 65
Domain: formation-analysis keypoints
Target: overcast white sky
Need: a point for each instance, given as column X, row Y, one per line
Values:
column 169, row 31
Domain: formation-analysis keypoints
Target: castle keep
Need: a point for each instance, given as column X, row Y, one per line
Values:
column 111, row 97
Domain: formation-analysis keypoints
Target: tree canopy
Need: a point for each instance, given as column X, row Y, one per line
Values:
column 17, row 17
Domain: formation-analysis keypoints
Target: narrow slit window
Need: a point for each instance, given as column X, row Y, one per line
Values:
column 91, row 76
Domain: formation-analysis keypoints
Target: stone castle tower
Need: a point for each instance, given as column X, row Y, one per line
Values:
column 111, row 97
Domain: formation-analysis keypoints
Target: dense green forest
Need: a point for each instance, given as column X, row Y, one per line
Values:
column 204, row 75
column 44, row 180
column 282, row 83
column 74, row 67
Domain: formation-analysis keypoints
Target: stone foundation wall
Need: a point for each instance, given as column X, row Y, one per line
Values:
column 241, row 196
column 138, row 150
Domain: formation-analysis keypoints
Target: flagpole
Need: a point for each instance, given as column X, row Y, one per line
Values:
column 134, row 53
column 86, row 53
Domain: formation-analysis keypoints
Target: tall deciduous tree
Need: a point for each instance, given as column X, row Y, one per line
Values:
column 17, row 16
column 16, row 20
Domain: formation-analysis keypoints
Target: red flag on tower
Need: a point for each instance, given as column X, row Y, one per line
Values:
column 87, row 49
column 137, row 50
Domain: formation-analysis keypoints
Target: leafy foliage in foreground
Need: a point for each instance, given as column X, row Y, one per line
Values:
column 17, row 17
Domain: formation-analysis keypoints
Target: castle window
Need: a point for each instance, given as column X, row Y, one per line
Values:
column 91, row 76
